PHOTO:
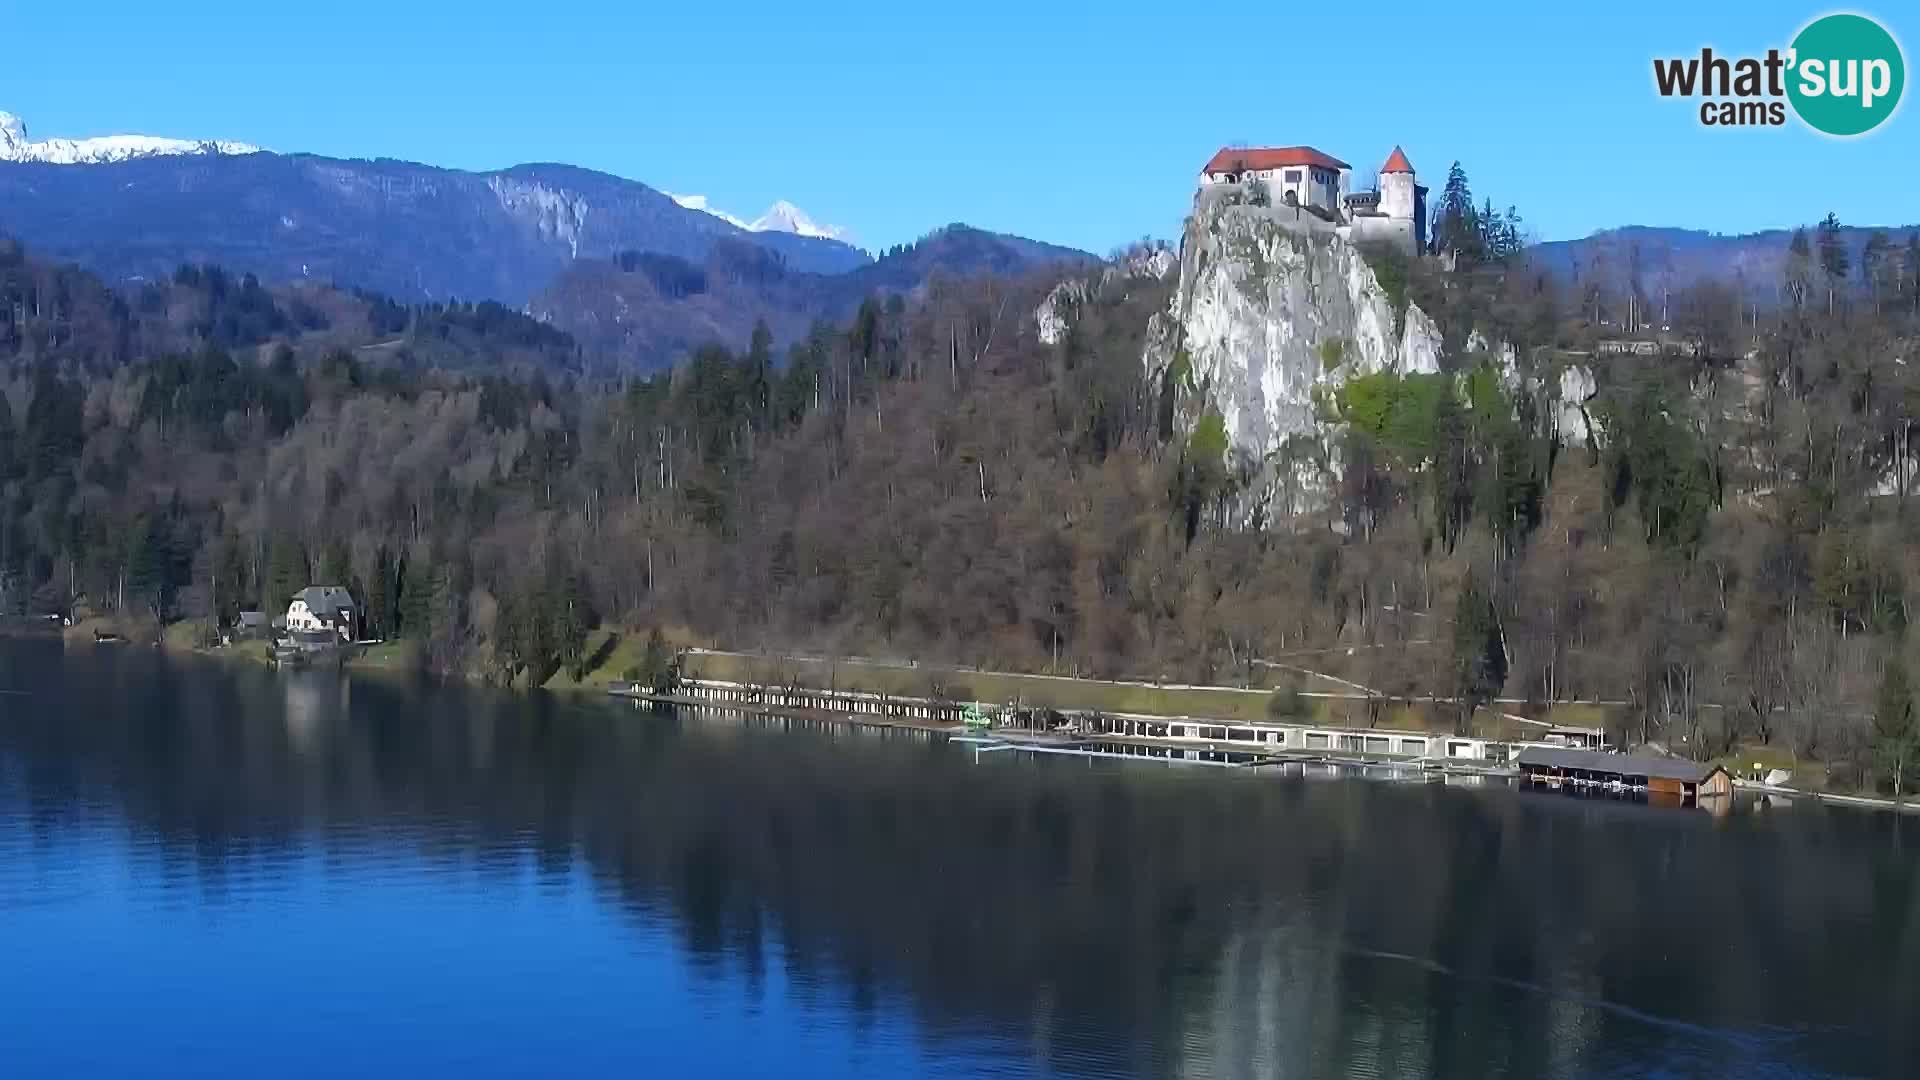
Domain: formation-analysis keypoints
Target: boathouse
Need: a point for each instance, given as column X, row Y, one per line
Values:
column 1661, row 777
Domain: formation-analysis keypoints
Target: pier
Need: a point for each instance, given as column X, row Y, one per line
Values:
column 1306, row 748
column 803, row 703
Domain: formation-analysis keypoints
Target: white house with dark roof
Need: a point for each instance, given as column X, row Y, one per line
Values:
column 324, row 607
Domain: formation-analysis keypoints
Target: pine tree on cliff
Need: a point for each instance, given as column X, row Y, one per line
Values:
column 1457, row 227
column 1834, row 261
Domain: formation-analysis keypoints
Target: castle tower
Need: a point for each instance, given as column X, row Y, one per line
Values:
column 1402, row 200
column 1396, row 186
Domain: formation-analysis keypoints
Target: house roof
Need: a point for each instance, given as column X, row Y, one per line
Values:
column 322, row 598
column 1241, row 158
column 1665, row 768
column 1397, row 162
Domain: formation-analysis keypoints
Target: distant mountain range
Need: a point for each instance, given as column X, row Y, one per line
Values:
column 644, row 309
column 413, row 231
column 16, row 146
column 631, row 271
column 1675, row 258
column 782, row 216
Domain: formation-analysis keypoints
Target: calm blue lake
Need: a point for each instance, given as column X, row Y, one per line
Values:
column 213, row 870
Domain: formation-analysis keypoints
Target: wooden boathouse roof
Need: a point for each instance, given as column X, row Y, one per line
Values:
column 1664, row 768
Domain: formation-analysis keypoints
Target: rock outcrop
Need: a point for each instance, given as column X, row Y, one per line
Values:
column 1272, row 313
column 1057, row 312
column 1275, row 311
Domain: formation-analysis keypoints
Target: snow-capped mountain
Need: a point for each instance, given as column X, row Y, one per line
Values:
column 15, row 146
column 782, row 216
column 699, row 202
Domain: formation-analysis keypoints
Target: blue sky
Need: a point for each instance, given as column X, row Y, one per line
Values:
column 1077, row 123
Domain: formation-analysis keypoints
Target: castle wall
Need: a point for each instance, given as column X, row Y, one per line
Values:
column 1305, row 191
column 1374, row 230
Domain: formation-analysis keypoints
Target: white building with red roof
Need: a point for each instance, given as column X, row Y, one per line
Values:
column 1313, row 182
column 1292, row 175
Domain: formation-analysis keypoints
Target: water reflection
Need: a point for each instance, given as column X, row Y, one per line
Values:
column 311, row 698
column 715, row 893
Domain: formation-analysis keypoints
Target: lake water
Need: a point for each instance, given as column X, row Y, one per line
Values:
column 213, row 870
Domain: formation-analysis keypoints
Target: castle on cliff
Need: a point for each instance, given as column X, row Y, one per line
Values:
column 1317, row 187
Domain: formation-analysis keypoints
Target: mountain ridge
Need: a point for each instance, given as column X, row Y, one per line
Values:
column 646, row 309
column 415, row 231
column 782, row 216
column 98, row 149
column 1671, row 257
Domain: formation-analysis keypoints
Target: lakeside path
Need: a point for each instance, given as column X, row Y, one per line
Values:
column 1322, row 699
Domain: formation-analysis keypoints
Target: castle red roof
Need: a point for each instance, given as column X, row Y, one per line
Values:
column 1397, row 162
column 1242, row 158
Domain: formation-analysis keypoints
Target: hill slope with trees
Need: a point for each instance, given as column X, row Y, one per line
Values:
column 1730, row 557
column 645, row 310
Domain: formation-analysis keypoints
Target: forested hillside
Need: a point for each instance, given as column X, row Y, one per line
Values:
column 1732, row 554
column 1662, row 261
column 643, row 310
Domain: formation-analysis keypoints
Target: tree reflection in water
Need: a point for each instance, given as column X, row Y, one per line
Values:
column 1108, row 918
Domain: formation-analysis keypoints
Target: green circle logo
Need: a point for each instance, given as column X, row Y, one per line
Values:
column 1847, row 74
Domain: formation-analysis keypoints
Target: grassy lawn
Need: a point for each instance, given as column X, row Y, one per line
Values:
column 611, row 651
column 998, row 687
column 1578, row 714
column 184, row 636
column 399, row 655
column 1742, row 760
column 137, row 631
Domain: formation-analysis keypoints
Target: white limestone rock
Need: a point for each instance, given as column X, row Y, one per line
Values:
column 1056, row 312
column 1268, row 313
column 555, row 214
column 1571, row 421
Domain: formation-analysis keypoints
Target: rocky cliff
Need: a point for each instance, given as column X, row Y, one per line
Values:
column 1276, row 310
column 1273, row 311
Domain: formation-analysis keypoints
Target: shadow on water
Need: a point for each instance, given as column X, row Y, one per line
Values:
column 1065, row 916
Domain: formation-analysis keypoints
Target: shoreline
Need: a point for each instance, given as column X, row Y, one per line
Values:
column 1867, row 802
column 988, row 740
column 393, row 659
column 858, row 709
